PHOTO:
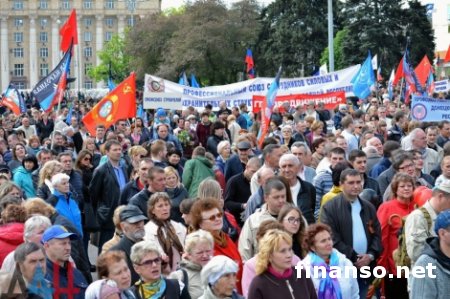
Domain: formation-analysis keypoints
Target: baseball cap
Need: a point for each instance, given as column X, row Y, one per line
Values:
column 442, row 221
column 243, row 145
column 4, row 168
column 57, row 232
column 443, row 185
column 131, row 214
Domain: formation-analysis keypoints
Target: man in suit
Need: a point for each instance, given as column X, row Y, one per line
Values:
column 107, row 182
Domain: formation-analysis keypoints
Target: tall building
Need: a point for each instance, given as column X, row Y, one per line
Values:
column 438, row 11
column 29, row 36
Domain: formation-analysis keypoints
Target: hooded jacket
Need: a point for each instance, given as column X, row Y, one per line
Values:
column 195, row 171
column 11, row 236
column 427, row 287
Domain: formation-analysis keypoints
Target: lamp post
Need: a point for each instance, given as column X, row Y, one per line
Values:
column 330, row 36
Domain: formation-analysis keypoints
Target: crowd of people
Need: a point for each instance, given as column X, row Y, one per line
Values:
column 189, row 204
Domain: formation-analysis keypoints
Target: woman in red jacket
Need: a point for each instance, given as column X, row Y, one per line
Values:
column 390, row 215
column 11, row 231
column 207, row 214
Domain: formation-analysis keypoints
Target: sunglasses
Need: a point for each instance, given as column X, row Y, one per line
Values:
column 214, row 217
column 87, row 159
column 155, row 261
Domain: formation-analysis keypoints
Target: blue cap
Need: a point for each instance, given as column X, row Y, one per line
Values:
column 442, row 221
column 57, row 232
column 161, row 112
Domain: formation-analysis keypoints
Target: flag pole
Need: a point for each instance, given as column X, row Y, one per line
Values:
column 401, row 92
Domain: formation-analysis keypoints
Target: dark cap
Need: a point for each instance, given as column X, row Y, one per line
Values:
column 244, row 145
column 442, row 221
column 4, row 168
column 131, row 214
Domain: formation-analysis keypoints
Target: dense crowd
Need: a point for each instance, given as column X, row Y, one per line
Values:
column 189, row 204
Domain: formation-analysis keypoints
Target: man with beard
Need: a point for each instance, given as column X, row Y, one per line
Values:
column 132, row 225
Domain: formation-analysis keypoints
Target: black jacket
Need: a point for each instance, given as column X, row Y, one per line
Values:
column 67, row 275
column 130, row 190
column 370, row 183
column 177, row 195
column 44, row 130
column 105, row 193
column 125, row 245
column 237, row 193
column 140, row 200
column 338, row 215
column 77, row 252
column 306, row 200
column 172, row 290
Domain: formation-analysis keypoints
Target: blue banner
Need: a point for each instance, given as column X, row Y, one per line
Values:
column 429, row 109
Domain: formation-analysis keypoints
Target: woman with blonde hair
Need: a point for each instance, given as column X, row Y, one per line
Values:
column 315, row 133
column 136, row 153
column 45, row 187
column 176, row 192
column 276, row 278
column 234, row 128
column 89, row 144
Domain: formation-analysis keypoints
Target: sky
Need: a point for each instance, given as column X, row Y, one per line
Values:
column 177, row 3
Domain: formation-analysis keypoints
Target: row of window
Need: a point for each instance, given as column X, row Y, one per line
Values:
column 64, row 4
column 43, row 52
column 43, row 36
column 19, row 22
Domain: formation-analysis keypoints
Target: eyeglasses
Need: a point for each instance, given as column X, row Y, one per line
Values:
column 407, row 166
column 293, row 220
column 155, row 261
column 214, row 217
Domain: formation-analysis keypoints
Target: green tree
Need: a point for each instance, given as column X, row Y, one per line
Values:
column 113, row 54
column 338, row 55
column 207, row 39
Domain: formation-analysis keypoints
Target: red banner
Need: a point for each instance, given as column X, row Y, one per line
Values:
column 331, row 100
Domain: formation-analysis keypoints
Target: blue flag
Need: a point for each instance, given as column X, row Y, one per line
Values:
column 69, row 115
column 50, row 90
column 183, row 79
column 194, row 82
column 364, row 79
column 111, row 84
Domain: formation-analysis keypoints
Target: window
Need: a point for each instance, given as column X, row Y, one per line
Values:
column 87, row 67
column 18, row 5
column 88, row 52
column 109, row 22
column 87, row 36
column 18, row 37
column 18, row 70
column 43, row 52
column 65, row 4
column 87, row 22
column 43, row 22
column 43, row 37
column 130, row 21
column 87, row 4
column 43, row 4
column 109, row 4
column 18, row 52
column 20, row 85
column 108, row 36
column 18, row 22
column 88, row 84
column 43, row 69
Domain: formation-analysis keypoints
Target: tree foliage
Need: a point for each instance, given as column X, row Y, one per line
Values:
column 339, row 63
column 208, row 39
column 113, row 54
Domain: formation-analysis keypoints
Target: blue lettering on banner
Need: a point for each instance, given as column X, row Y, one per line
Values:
column 429, row 109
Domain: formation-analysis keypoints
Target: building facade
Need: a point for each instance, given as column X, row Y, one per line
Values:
column 30, row 40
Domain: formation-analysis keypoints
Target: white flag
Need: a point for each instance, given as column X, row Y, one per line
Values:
column 323, row 69
column 375, row 62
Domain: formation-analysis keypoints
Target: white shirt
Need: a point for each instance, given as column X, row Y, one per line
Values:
column 295, row 190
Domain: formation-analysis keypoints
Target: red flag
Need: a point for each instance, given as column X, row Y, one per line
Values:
column 447, row 56
column 398, row 73
column 423, row 69
column 69, row 32
column 120, row 103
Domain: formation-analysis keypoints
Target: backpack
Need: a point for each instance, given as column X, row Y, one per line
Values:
column 400, row 254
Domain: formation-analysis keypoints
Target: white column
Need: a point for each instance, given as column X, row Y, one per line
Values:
column 99, row 44
column 4, row 53
column 121, row 25
column 55, row 43
column 33, row 54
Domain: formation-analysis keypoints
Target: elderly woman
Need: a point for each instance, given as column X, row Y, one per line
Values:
column 173, row 159
column 322, row 254
column 23, row 175
column 33, row 230
column 219, row 278
column 224, row 151
column 390, row 215
column 166, row 234
column 207, row 214
column 46, row 173
column 250, row 265
column 199, row 249
column 295, row 224
column 63, row 201
column 276, row 277
column 146, row 259
column 176, row 192
column 286, row 132
column 111, row 266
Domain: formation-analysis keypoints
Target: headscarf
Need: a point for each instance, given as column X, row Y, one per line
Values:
column 329, row 288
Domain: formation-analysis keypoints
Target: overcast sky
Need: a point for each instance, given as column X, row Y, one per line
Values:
column 177, row 3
